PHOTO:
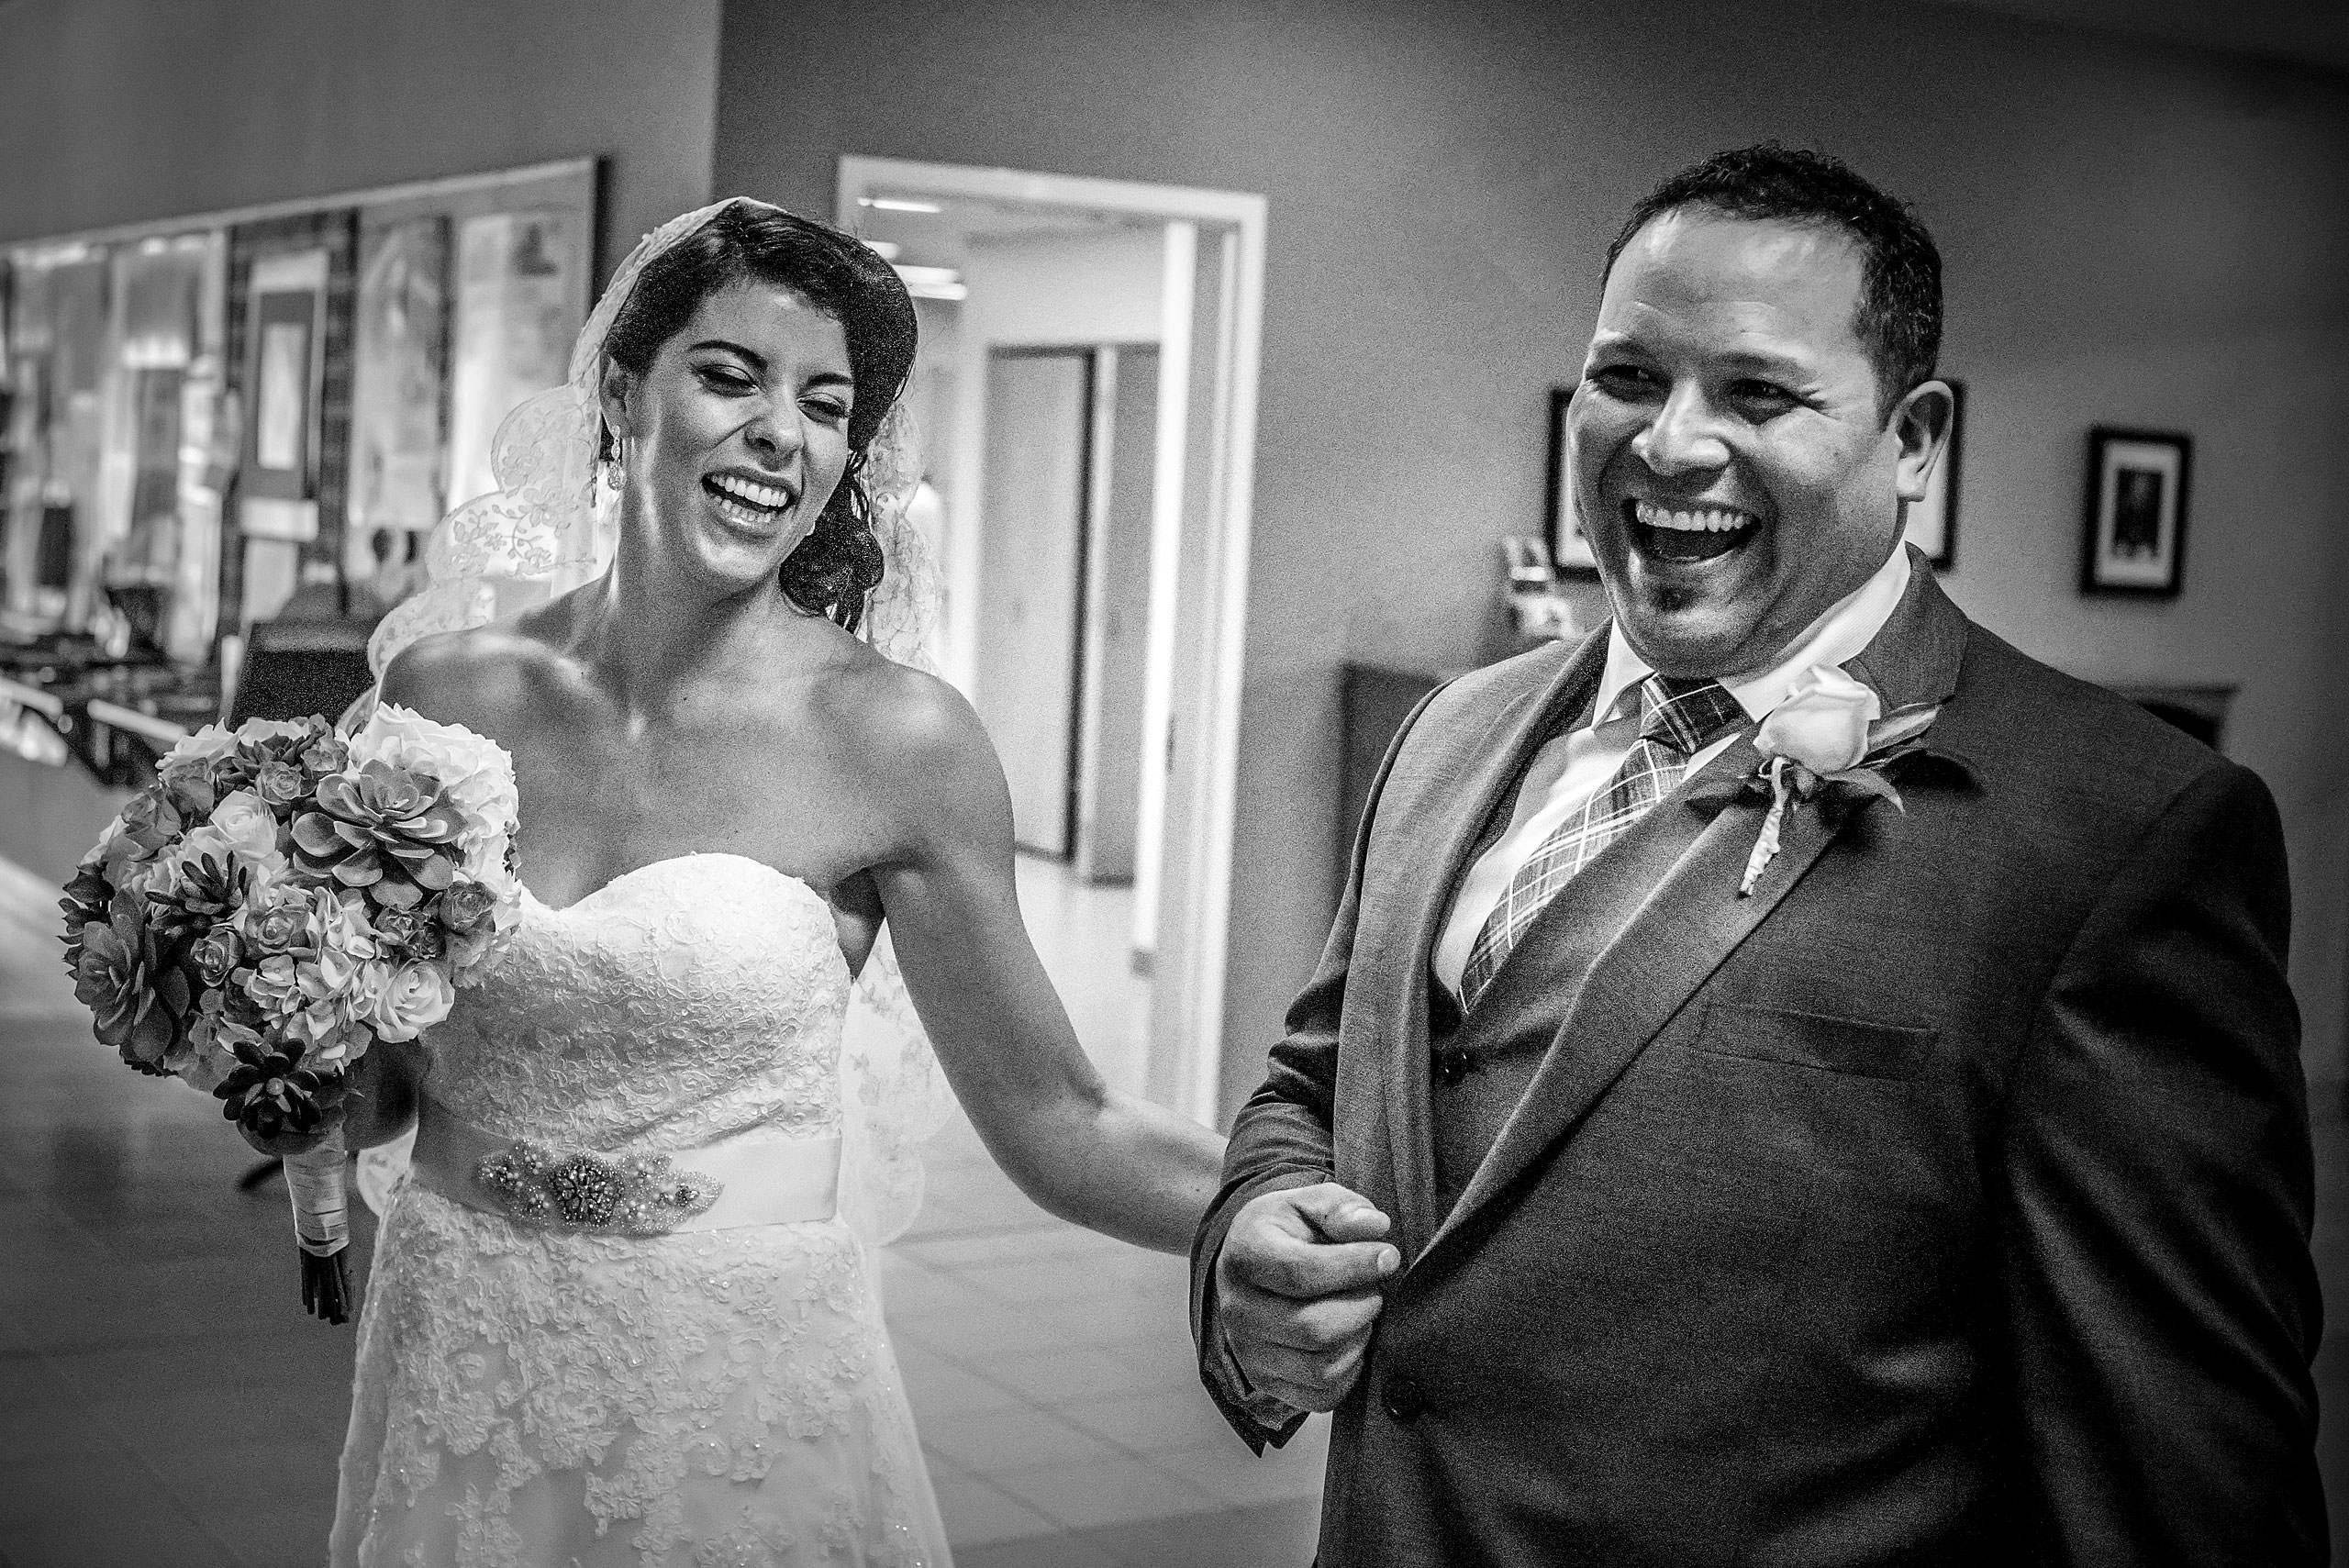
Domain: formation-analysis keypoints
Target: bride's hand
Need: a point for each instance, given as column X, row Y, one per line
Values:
column 378, row 1107
column 283, row 1145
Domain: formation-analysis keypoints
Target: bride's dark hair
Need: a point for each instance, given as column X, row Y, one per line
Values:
column 839, row 561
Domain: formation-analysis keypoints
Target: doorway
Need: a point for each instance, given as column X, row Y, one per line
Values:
column 1068, row 470
column 1095, row 577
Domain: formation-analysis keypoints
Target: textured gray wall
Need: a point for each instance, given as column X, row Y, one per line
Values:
column 116, row 110
column 2134, row 234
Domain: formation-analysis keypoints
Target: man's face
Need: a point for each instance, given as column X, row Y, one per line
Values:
column 1730, row 469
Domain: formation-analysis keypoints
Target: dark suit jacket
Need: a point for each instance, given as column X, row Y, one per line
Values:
column 1945, row 1201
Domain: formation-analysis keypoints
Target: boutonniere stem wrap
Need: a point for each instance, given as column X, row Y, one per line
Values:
column 1827, row 741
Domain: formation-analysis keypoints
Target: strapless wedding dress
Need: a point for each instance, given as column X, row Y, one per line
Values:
column 537, row 1396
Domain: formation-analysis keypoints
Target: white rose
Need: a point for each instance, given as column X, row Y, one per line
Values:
column 260, row 730
column 250, row 825
column 199, row 842
column 417, row 996
column 206, row 745
column 1823, row 722
column 147, row 878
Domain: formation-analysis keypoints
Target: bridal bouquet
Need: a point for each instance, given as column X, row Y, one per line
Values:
column 279, row 900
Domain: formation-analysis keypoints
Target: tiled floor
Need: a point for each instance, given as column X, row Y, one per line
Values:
column 163, row 1403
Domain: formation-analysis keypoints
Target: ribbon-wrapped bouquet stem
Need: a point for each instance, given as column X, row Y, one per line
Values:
column 278, row 901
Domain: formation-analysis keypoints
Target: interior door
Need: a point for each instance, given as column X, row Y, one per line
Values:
column 1031, row 575
column 1117, row 612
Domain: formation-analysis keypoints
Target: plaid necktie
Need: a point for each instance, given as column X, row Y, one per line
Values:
column 1681, row 717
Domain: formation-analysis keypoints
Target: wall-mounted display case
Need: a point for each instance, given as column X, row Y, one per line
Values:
column 249, row 417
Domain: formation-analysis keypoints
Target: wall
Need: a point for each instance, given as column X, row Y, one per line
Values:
column 116, row 110
column 2135, row 233
column 1028, row 293
column 1070, row 288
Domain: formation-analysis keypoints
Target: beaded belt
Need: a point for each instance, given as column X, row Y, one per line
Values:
column 760, row 1177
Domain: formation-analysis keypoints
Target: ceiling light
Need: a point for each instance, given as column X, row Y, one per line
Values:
column 898, row 203
column 932, row 283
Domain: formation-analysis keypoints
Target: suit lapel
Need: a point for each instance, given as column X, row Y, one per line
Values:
column 1494, row 760
column 1674, row 902
column 1915, row 658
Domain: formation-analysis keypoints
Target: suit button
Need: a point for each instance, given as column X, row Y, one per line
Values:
column 1403, row 1398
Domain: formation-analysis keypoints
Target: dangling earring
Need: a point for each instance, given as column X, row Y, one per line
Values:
column 616, row 471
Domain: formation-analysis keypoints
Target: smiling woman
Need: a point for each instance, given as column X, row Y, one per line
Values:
column 846, row 327
column 724, row 793
column 716, row 443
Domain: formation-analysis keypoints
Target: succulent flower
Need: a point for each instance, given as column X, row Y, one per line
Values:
column 465, row 906
column 206, row 891
column 269, row 1092
column 222, row 1018
column 385, row 829
column 135, row 998
column 280, row 784
column 327, row 754
column 150, row 822
column 412, row 933
column 86, row 897
column 190, row 792
column 215, row 955
column 277, row 922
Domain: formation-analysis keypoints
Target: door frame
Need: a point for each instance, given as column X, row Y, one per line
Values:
column 1188, row 1054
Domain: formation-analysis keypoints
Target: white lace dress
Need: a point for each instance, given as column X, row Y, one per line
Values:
column 723, row 1397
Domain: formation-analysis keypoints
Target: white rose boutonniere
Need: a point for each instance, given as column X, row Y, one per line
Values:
column 1830, row 737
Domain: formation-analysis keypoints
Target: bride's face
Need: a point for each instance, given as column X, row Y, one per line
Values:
column 736, row 434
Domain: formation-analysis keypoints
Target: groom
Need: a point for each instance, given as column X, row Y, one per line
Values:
column 1934, row 1190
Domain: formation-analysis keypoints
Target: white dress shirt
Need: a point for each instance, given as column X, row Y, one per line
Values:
column 1573, row 766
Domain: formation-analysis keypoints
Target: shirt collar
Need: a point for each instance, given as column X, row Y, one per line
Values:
column 1843, row 632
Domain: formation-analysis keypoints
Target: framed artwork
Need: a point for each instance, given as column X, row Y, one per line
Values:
column 520, row 280
column 278, row 482
column 1932, row 524
column 2135, row 526
column 1569, row 550
column 398, row 402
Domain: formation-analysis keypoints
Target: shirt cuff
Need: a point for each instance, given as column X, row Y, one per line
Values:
column 1269, row 1411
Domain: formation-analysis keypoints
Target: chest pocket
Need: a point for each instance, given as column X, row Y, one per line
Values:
column 1816, row 1040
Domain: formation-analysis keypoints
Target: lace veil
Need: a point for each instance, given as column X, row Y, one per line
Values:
column 549, row 528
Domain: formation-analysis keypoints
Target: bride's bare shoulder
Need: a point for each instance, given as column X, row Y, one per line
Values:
column 914, row 737
column 486, row 677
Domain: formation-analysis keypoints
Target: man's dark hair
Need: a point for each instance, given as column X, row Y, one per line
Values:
column 1900, row 318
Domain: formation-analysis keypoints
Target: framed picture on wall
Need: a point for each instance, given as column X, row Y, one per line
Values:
column 1569, row 550
column 277, row 483
column 2136, row 525
column 1932, row 523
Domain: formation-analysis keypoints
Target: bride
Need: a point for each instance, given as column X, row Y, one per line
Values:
column 621, row 1312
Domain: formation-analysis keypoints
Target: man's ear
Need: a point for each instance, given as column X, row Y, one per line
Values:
column 1922, row 423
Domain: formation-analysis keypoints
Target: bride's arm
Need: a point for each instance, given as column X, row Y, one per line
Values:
column 1110, row 1161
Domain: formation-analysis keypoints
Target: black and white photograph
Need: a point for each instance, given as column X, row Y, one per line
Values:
column 1058, row 784
column 2136, row 529
column 1569, row 545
